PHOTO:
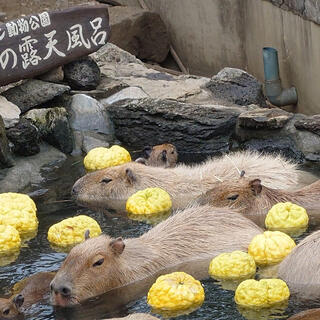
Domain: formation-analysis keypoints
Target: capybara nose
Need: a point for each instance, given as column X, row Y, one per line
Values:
column 64, row 290
column 75, row 189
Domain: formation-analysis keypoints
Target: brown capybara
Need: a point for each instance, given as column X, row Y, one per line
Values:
column 137, row 316
column 102, row 188
column 254, row 200
column 301, row 268
column 26, row 293
column 100, row 264
column 162, row 155
column 312, row 314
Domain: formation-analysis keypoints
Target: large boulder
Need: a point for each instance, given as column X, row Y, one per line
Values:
column 192, row 128
column 311, row 124
column 235, row 86
column 53, row 127
column 140, row 32
column 5, row 157
column 33, row 92
column 9, row 112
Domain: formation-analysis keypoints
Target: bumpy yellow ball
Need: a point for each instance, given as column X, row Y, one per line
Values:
column 285, row 215
column 175, row 292
column 232, row 265
column 100, row 158
column 261, row 294
column 9, row 239
column 270, row 247
column 71, row 231
column 149, row 201
column 22, row 221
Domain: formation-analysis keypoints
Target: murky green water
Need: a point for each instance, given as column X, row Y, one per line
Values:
column 39, row 256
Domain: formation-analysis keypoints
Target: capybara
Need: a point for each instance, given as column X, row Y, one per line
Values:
column 254, row 200
column 100, row 264
column 26, row 293
column 162, row 155
column 137, row 316
column 312, row 314
column 184, row 183
column 301, row 268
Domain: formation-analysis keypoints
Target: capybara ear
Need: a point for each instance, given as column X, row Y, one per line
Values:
column 256, row 186
column 164, row 155
column 147, row 152
column 117, row 246
column 18, row 300
column 130, row 176
column 87, row 234
column 242, row 173
column 142, row 161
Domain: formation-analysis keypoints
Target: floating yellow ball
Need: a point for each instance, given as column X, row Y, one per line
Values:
column 71, row 231
column 9, row 239
column 100, row 158
column 261, row 294
column 232, row 265
column 176, row 291
column 270, row 247
column 285, row 215
column 149, row 201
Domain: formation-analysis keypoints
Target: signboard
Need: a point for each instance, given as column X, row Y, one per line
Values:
column 32, row 45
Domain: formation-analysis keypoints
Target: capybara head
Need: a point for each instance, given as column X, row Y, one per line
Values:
column 237, row 194
column 90, row 269
column 9, row 308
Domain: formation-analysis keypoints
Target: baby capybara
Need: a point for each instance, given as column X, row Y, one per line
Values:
column 162, row 155
column 312, row 314
column 184, row 183
column 101, row 264
column 254, row 200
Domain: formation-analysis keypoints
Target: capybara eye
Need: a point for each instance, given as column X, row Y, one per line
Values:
column 233, row 197
column 6, row 311
column 98, row 263
column 105, row 180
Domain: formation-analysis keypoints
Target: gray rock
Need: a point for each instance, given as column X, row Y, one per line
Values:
column 33, row 93
column 82, row 74
column 93, row 140
column 284, row 146
column 139, row 32
column 311, row 124
column 53, row 126
column 191, row 128
column 127, row 93
column 55, row 75
column 5, row 157
column 25, row 173
column 235, row 86
column 25, row 138
column 264, row 118
column 9, row 112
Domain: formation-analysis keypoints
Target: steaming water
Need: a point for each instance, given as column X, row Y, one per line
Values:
column 39, row 256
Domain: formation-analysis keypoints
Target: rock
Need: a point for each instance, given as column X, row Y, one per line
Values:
column 55, row 75
column 53, row 126
column 93, row 140
column 82, row 74
column 311, row 124
column 191, row 128
column 25, row 173
column 264, row 118
column 284, row 146
column 128, row 93
column 140, row 32
column 9, row 112
column 33, row 93
column 25, row 138
column 5, row 157
column 235, row 86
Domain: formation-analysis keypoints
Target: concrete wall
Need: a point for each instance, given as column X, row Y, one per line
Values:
column 211, row 34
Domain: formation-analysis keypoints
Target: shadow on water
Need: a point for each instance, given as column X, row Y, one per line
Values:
column 53, row 201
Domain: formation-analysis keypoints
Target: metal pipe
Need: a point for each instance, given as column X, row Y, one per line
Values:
column 274, row 91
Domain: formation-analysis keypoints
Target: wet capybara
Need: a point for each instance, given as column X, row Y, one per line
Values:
column 312, row 314
column 162, row 155
column 26, row 293
column 254, row 200
column 301, row 268
column 100, row 264
column 137, row 316
column 184, row 183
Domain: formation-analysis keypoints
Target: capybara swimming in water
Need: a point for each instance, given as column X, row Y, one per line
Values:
column 26, row 293
column 301, row 268
column 183, row 183
column 312, row 314
column 254, row 200
column 100, row 264
column 162, row 155
column 137, row 316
